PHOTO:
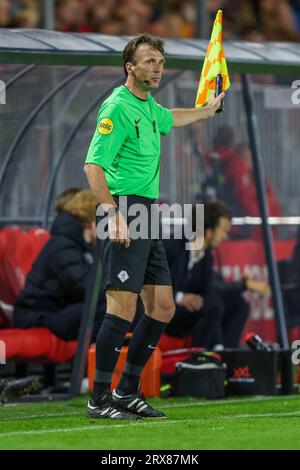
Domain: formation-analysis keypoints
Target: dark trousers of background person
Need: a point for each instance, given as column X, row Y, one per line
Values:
column 235, row 311
column 201, row 324
column 65, row 323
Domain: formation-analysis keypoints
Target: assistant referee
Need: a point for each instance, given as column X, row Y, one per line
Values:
column 124, row 160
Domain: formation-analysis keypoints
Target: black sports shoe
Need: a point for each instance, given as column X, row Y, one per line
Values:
column 106, row 408
column 12, row 387
column 136, row 403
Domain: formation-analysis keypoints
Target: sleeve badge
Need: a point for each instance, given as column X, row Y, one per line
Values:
column 105, row 126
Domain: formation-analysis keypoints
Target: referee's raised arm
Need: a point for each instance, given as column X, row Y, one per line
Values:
column 183, row 117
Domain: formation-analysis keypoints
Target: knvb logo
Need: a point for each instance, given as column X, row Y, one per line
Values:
column 296, row 353
column 295, row 98
column 2, row 92
column 2, row 352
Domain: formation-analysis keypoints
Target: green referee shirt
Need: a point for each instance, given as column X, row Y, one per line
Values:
column 126, row 143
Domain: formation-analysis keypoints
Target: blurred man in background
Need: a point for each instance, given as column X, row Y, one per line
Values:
column 208, row 308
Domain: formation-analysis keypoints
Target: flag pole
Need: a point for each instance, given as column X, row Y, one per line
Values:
column 219, row 90
column 219, row 77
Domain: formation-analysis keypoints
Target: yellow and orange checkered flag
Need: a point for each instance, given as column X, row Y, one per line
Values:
column 214, row 65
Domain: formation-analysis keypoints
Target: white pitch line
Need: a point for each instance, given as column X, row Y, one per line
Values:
column 147, row 423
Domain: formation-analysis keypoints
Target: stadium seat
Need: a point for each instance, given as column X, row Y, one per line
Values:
column 5, row 293
column 15, row 261
column 168, row 343
column 18, row 249
column 2, row 245
column 36, row 345
column 6, row 315
column 294, row 334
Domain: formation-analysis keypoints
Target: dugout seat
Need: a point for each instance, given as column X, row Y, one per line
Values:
column 15, row 262
column 168, row 343
column 18, row 250
column 36, row 345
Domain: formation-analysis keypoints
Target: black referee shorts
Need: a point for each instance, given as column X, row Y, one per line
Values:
column 143, row 262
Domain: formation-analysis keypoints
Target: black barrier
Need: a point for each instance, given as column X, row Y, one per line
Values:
column 262, row 201
column 86, row 326
column 258, row 372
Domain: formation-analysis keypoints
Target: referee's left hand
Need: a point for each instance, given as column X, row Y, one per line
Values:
column 214, row 103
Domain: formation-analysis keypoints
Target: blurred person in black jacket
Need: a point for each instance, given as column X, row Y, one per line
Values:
column 208, row 308
column 289, row 274
column 54, row 291
column 197, row 309
column 229, row 294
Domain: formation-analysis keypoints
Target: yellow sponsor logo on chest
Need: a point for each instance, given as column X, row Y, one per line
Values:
column 105, row 126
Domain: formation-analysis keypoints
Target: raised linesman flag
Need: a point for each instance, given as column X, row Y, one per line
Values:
column 214, row 77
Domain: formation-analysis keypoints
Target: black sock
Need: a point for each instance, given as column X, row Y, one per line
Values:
column 109, row 342
column 147, row 333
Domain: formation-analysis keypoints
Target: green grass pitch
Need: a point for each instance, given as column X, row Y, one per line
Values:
column 241, row 423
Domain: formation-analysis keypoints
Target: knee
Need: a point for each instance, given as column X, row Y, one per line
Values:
column 123, row 306
column 128, row 309
column 165, row 311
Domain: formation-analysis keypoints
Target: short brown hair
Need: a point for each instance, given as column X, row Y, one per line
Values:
column 213, row 212
column 65, row 197
column 144, row 38
column 83, row 207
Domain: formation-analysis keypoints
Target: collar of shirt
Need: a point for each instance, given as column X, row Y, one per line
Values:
column 194, row 257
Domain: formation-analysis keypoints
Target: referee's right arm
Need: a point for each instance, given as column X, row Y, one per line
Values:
column 118, row 230
column 97, row 181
